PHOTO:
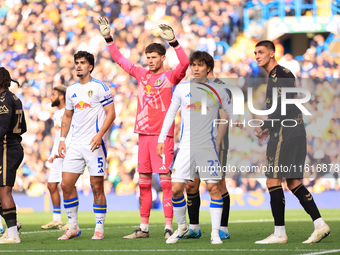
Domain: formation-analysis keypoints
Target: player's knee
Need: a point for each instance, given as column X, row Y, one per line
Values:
column 176, row 193
column 213, row 190
column 52, row 187
column 293, row 183
column 66, row 188
column 97, row 189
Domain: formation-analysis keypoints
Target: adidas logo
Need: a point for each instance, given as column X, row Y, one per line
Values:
column 74, row 95
column 99, row 222
column 188, row 95
column 214, row 174
column 162, row 168
column 167, row 204
column 69, row 217
column 101, row 171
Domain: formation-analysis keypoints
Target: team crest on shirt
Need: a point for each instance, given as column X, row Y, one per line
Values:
column 15, row 97
column 90, row 93
column 286, row 70
column 158, row 82
column 173, row 171
column 3, row 109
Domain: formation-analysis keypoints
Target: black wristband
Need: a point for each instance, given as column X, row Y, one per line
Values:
column 109, row 39
column 174, row 44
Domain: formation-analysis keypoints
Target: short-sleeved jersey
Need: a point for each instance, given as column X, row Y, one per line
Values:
column 12, row 119
column 197, row 129
column 281, row 77
column 88, row 102
column 154, row 91
column 57, row 119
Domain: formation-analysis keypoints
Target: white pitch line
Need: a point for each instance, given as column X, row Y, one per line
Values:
column 172, row 250
column 322, row 252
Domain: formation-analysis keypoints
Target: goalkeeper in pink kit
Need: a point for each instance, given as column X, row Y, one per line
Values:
column 155, row 88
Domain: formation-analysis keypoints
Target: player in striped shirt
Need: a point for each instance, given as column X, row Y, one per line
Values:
column 155, row 88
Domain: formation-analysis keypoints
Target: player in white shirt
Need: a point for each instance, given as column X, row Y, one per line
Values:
column 58, row 100
column 90, row 106
column 199, row 101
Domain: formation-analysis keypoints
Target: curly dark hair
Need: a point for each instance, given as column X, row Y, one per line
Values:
column 5, row 78
column 84, row 54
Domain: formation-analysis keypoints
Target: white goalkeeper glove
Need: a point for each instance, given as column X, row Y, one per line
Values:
column 104, row 27
column 166, row 32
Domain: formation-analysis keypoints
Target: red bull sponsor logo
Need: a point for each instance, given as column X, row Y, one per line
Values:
column 57, row 128
column 148, row 89
column 197, row 106
column 82, row 105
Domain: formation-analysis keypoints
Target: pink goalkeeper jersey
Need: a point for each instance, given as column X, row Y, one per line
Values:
column 154, row 91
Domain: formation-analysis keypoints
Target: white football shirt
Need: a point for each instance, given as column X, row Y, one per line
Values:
column 88, row 102
column 197, row 130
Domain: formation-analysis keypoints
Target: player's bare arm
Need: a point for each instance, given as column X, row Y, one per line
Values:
column 110, row 117
column 65, row 127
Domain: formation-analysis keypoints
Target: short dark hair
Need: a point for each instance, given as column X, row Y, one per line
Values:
column 266, row 43
column 5, row 78
column 156, row 47
column 61, row 89
column 84, row 54
column 202, row 56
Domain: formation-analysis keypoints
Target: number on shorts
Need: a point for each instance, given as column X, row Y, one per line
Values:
column 100, row 162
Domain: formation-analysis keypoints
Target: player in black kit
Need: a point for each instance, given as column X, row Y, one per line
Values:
column 286, row 149
column 12, row 126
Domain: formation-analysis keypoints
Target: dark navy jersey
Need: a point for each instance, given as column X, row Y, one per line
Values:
column 12, row 119
column 280, row 77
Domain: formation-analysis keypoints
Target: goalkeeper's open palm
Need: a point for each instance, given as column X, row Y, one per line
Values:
column 104, row 27
column 166, row 32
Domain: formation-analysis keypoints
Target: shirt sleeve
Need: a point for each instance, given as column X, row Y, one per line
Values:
column 227, row 105
column 68, row 102
column 170, row 116
column 130, row 68
column 5, row 117
column 105, row 96
column 175, row 76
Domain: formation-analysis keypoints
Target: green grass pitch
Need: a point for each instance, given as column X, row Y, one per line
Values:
column 245, row 227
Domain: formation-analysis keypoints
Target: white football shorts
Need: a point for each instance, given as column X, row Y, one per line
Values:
column 55, row 171
column 201, row 161
column 80, row 155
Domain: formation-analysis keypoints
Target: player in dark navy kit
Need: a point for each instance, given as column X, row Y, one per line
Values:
column 12, row 126
column 286, row 150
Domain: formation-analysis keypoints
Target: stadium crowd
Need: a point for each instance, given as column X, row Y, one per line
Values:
column 38, row 41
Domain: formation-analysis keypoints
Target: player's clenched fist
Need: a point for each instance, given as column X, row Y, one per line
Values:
column 166, row 32
column 104, row 27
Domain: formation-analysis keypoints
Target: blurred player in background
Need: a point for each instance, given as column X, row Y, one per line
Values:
column 287, row 147
column 12, row 126
column 89, row 102
column 192, row 188
column 197, row 148
column 155, row 88
column 58, row 100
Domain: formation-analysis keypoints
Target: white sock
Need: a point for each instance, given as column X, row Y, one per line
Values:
column 71, row 208
column 318, row 223
column 1, row 226
column 13, row 232
column 216, row 215
column 194, row 227
column 280, row 231
column 215, row 231
column 180, row 208
column 224, row 229
column 100, row 220
column 182, row 226
column 56, row 217
column 144, row 227
column 168, row 227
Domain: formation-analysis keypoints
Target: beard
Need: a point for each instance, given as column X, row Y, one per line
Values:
column 80, row 75
column 56, row 102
